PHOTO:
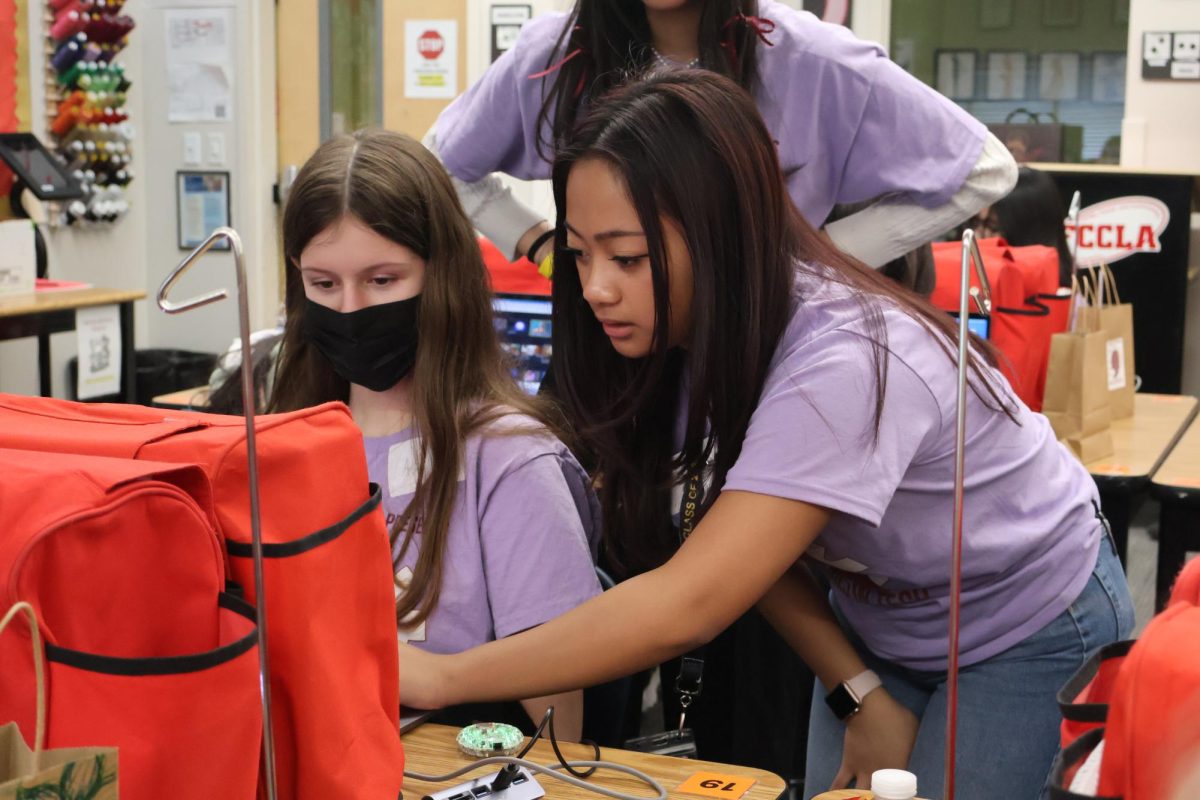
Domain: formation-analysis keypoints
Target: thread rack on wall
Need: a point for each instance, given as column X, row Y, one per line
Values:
column 86, row 90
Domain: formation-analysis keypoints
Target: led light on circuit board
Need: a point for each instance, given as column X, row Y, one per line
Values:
column 485, row 739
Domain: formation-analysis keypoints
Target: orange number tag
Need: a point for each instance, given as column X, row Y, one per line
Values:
column 714, row 784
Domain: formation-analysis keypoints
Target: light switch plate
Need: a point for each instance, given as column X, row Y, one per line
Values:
column 192, row 152
column 216, row 149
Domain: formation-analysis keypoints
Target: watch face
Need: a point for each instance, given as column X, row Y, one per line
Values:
column 840, row 702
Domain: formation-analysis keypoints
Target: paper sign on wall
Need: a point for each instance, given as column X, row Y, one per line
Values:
column 18, row 256
column 1114, row 229
column 98, row 336
column 506, row 26
column 200, row 63
column 431, row 58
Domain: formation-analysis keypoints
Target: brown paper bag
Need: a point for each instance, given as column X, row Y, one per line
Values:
column 1077, row 396
column 77, row 773
column 1115, row 319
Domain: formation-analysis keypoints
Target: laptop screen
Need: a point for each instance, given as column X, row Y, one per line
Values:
column 523, row 324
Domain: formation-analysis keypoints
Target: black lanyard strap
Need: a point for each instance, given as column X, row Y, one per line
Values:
column 690, row 679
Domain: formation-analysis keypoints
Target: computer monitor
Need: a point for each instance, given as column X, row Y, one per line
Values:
column 523, row 324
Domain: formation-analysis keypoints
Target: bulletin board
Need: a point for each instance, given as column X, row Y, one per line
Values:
column 14, row 82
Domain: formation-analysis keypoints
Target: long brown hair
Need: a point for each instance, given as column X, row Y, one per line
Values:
column 690, row 146
column 461, row 379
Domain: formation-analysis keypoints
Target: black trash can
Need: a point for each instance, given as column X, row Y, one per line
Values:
column 159, row 371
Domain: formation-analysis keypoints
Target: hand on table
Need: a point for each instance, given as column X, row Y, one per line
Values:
column 880, row 736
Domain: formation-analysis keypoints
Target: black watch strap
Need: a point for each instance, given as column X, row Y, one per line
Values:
column 542, row 238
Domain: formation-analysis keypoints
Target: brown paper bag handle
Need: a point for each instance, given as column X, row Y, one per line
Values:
column 39, row 671
column 1110, row 284
column 1086, row 289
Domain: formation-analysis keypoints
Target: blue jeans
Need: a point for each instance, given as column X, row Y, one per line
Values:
column 1008, row 718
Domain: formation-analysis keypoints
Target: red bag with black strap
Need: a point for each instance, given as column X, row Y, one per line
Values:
column 1026, row 307
column 1142, row 705
column 327, row 569
column 121, row 563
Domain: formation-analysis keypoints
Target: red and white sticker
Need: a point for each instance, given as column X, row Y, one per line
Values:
column 430, row 44
column 1118, row 228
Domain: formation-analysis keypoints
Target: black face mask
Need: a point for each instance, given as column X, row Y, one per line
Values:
column 374, row 347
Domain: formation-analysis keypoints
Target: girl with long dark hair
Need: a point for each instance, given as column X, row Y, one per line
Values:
column 389, row 310
column 850, row 125
column 712, row 344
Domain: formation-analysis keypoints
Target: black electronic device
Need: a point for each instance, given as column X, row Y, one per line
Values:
column 37, row 169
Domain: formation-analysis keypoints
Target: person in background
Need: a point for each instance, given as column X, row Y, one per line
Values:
column 1032, row 213
column 833, row 104
column 725, row 361
column 388, row 309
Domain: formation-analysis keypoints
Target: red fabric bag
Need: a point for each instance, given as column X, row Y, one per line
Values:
column 1152, row 739
column 125, row 573
column 1144, row 702
column 512, row 277
column 331, row 614
column 1026, row 309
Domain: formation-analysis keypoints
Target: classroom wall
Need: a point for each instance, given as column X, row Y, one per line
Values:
column 141, row 249
column 249, row 145
column 1161, row 129
column 108, row 255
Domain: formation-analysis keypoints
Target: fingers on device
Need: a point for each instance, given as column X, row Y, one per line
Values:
column 523, row 787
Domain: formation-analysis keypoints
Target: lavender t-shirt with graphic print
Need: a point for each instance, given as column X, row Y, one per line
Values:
column 522, row 536
column 1030, row 530
column 851, row 125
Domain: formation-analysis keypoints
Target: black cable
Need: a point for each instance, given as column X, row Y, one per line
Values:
column 548, row 720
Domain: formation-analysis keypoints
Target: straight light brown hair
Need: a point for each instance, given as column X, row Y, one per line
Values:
column 461, row 379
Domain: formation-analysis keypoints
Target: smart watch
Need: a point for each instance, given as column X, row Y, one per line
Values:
column 846, row 698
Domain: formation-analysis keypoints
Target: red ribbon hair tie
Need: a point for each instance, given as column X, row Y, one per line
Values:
column 760, row 25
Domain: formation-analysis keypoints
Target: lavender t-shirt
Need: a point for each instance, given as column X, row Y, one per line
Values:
column 851, row 124
column 522, row 535
column 1030, row 530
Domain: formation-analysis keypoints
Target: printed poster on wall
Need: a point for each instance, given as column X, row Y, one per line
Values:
column 431, row 58
column 200, row 64
column 98, row 336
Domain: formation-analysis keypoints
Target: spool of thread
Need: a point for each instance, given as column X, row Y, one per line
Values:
column 67, row 25
column 69, row 52
column 67, row 119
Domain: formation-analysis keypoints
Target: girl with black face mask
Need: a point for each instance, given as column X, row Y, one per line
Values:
column 493, row 523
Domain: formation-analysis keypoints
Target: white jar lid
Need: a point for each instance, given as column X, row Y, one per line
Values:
column 893, row 784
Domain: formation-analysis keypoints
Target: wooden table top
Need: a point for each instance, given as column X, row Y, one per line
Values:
column 430, row 749
column 1142, row 441
column 42, row 302
column 1182, row 467
column 845, row 794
